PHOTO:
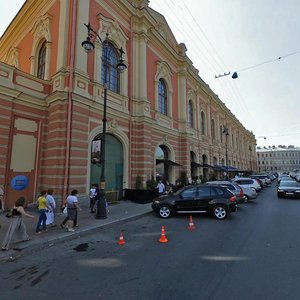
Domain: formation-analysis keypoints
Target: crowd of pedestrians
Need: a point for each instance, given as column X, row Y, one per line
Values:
column 46, row 206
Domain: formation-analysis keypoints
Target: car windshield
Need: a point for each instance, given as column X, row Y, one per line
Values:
column 285, row 178
column 179, row 191
column 289, row 183
column 229, row 186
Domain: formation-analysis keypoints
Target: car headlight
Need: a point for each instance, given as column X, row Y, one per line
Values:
column 156, row 202
column 279, row 190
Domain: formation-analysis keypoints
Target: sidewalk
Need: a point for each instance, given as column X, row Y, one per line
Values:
column 121, row 211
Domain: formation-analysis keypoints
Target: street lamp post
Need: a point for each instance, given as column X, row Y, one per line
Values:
column 250, row 161
column 88, row 46
column 225, row 131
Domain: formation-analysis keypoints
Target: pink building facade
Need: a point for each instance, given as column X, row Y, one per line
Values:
column 163, row 120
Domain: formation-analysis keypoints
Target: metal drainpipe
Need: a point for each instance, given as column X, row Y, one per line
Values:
column 70, row 92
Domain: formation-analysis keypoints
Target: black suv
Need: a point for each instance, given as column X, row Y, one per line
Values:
column 214, row 199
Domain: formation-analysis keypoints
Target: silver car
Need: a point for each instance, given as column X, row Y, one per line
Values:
column 233, row 187
column 249, row 193
column 247, row 182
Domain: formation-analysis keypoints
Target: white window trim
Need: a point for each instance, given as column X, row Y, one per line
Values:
column 163, row 71
column 41, row 32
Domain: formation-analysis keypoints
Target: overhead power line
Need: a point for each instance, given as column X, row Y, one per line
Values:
column 235, row 74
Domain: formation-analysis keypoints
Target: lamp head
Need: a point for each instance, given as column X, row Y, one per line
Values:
column 234, row 75
column 87, row 45
column 121, row 66
column 225, row 130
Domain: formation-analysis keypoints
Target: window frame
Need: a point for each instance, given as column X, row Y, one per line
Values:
column 41, row 61
column 110, row 75
column 162, row 97
column 203, row 121
column 191, row 114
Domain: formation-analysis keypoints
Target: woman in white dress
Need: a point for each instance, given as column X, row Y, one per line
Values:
column 51, row 208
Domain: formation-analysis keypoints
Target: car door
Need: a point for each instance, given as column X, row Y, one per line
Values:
column 186, row 199
column 239, row 182
column 245, row 183
column 204, row 196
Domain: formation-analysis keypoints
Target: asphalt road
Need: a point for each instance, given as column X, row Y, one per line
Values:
column 251, row 255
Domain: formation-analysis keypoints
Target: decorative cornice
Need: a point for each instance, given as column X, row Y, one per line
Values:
column 13, row 57
column 140, row 4
column 41, row 28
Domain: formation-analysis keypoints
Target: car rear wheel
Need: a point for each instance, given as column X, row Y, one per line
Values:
column 164, row 211
column 220, row 212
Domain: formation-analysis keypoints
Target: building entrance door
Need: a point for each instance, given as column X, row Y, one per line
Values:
column 113, row 166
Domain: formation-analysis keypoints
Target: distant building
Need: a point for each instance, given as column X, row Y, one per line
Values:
column 278, row 159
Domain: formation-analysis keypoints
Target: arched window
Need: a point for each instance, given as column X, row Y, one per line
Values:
column 221, row 134
column 162, row 97
column 193, row 167
column 41, row 61
column 162, row 169
column 110, row 74
column 191, row 114
column 215, row 160
column 202, row 123
column 213, row 134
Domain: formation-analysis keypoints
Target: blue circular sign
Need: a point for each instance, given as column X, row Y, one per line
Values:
column 19, row 183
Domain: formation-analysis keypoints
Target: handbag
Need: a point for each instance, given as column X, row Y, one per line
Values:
column 9, row 214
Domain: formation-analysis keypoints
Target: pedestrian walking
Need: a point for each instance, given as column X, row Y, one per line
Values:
column 94, row 196
column 161, row 188
column 72, row 208
column 64, row 222
column 17, row 227
column 42, row 208
column 50, row 201
column 168, row 188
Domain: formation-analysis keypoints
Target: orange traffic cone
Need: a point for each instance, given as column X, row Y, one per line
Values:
column 121, row 240
column 163, row 238
column 191, row 224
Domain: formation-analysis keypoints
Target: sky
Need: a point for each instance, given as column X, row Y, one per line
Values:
column 258, row 39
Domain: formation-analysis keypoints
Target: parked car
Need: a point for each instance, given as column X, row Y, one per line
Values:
column 272, row 176
column 264, row 178
column 284, row 177
column 249, row 193
column 233, row 187
column 259, row 181
column 297, row 178
column 288, row 189
column 214, row 199
column 247, row 182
